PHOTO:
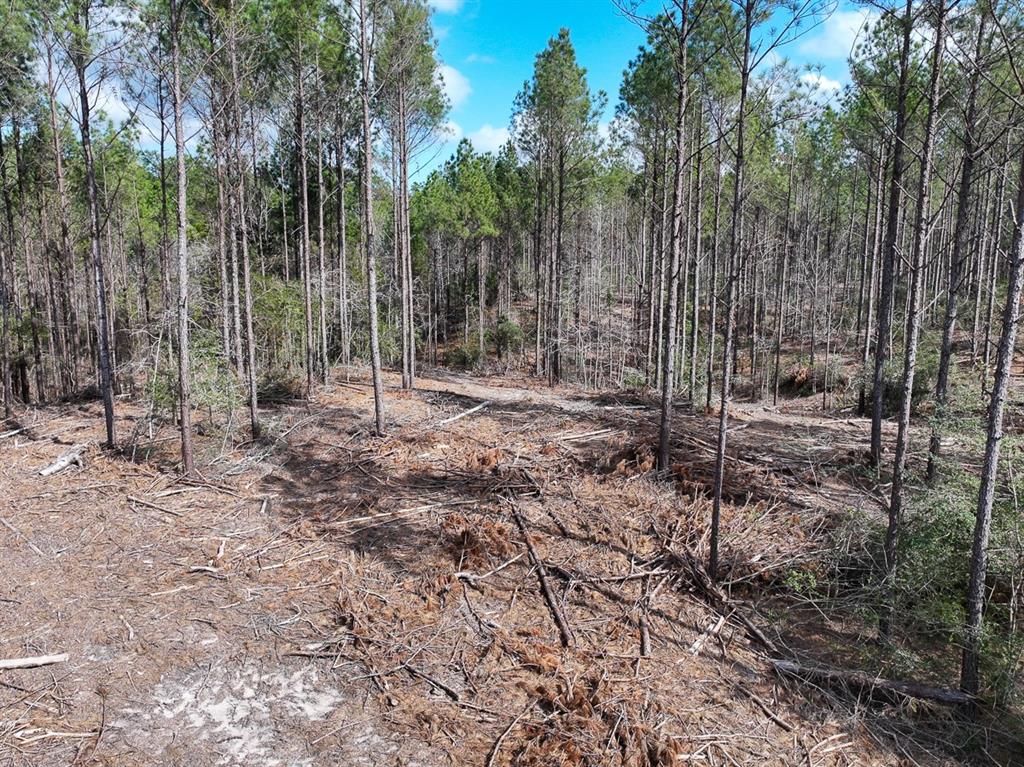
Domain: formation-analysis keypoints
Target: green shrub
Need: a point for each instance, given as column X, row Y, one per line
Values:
column 507, row 337
column 463, row 356
column 632, row 379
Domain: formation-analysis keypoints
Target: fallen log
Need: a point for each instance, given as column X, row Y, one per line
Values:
column 32, row 662
column 865, row 682
column 71, row 457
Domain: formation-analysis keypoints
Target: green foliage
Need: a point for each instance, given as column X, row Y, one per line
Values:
column 388, row 336
column 632, row 380
column 278, row 317
column 214, row 386
column 464, row 356
column 507, row 337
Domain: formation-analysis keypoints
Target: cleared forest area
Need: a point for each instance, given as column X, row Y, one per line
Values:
column 339, row 597
column 682, row 427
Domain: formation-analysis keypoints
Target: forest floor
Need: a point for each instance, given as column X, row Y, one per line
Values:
column 327, row 597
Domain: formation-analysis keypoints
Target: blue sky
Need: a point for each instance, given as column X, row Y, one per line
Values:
column 488, row 47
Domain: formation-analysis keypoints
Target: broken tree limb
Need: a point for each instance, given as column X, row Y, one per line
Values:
column 21, row 535
column 765, row 708
column 865, row 682
column 710, row 631
column 725, row 606
column 464, row 413
column 542, row 575
column 32, row 662
column 71, row 457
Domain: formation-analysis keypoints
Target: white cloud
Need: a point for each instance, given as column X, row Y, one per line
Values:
column 818, row 81
column 480, row 58
column 456, row 85
column 835, row 38
column 488, row 138
column 450, row 131
column 446, row 6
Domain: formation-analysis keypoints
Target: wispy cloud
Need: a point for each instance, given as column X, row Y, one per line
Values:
column 456, row 85
column 837, row 36
column 488, row 138
column 480, row 58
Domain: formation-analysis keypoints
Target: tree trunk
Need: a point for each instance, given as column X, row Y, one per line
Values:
column 958, row 257
column 369, row 234
column 891, row 239
column 305, row 261
column 184, row 387
column 676, row 242
column 735, row 262
column 969, row 672
column 79, row 58
column 916, row 266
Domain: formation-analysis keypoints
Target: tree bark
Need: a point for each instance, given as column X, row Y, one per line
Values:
column 369, row 233
column 916, row 266
column 675, row 245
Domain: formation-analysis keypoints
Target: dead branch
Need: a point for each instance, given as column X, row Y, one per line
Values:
column 72, row 456
column 463, row 414
column 556, row 613
column 32, row 662
column 865, row 682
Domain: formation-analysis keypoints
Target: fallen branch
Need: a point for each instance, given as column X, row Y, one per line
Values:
column 711, row 631
column 21, row 535
column 718, row 600
column 493, row 754
column 463, row 414
column 765, row 708
column 72, row 456
column 132, row 499
column 549, row 596
column 33, row 662
column 866, row 682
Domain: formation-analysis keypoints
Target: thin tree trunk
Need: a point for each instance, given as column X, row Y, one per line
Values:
column 913, row 331
column 969, row 672
column 184, row 387
column 891, row 239
column 79, row 57
column 735, row 262
column 958, row 257
column 676, row 243
column 369, row 234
